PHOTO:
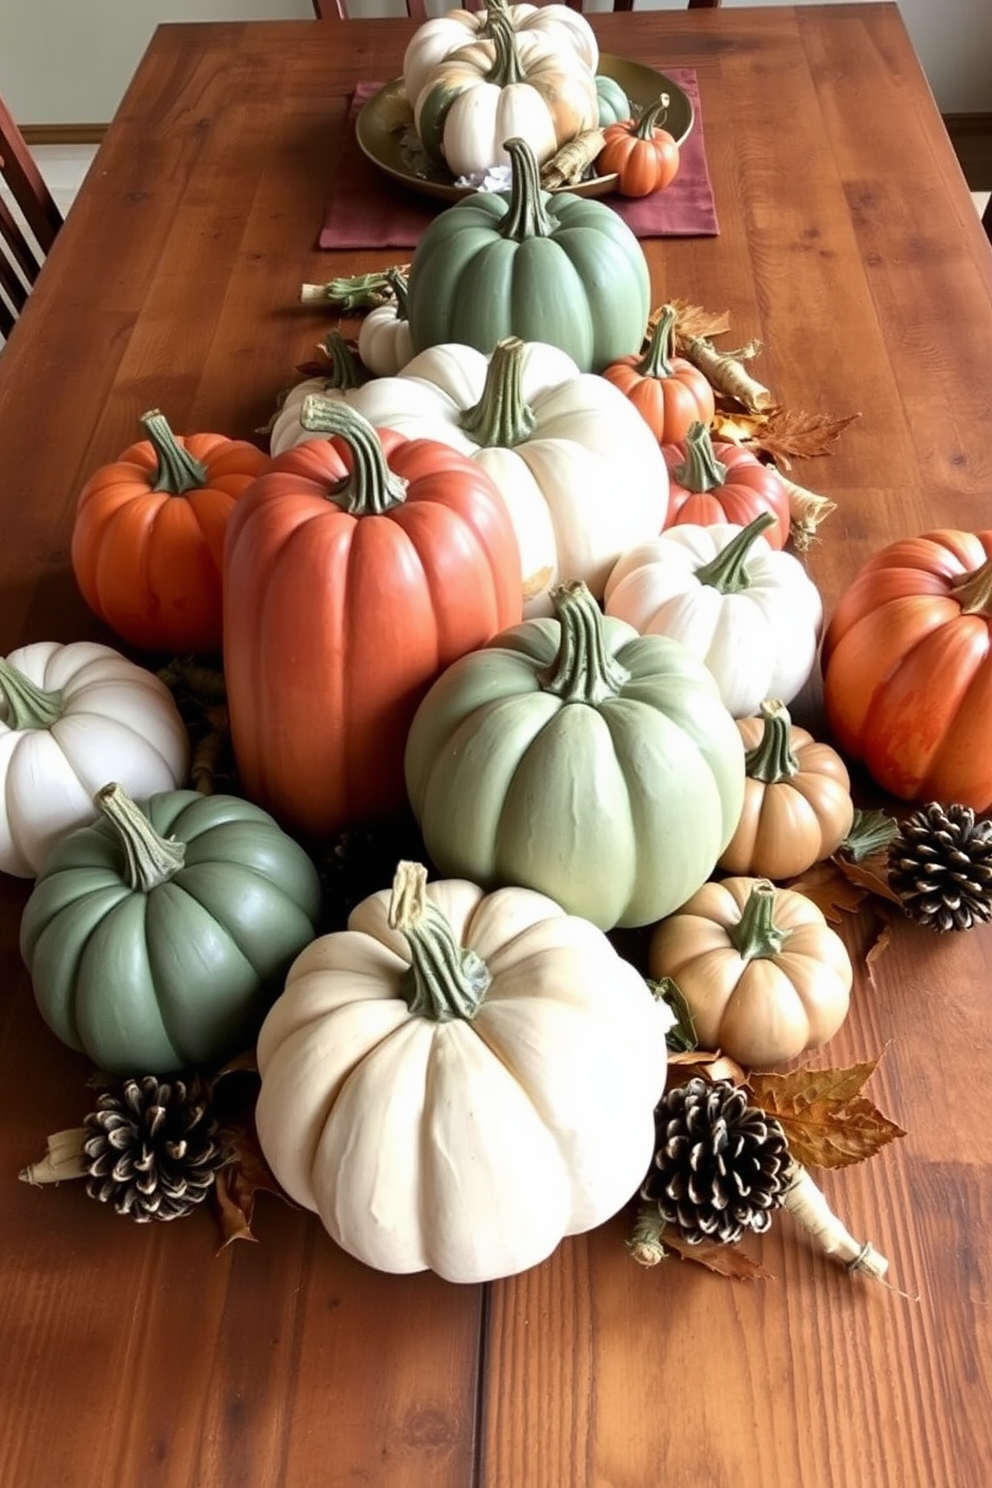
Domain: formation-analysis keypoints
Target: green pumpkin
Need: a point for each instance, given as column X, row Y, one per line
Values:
column 556, row 268
column 159, row 937
column 576, row 757
column 614, row 105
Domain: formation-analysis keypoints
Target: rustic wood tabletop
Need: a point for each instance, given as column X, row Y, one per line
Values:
column 147, row 1357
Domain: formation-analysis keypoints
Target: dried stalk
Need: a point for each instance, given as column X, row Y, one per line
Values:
column 808, row 1205
column 63, row 1159
column 727, row 374
column 569, row 164
column 806, row 511
column 355, row 291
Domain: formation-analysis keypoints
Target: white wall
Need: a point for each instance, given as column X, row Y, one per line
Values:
column 68, row 61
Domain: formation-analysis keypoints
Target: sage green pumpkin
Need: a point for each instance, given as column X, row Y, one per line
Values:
column 614, row 105
column 159, row 936
column 555, row 268
column 573, row 756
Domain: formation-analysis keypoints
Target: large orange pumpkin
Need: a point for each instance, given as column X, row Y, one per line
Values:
column 148, row 537
column 356, row 569
column 907, row 664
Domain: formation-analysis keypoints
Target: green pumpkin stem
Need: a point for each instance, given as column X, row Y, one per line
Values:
column 657, row 360
column 371, row 488
column 506, row 68
column 700, row 470
column 772, row 759
column 25, row 704
column 973, row 591
column 495, row 9
column 756, row 935
column 346, row 371
column 527, row 215
column 501, row 419
column 646, row 1235
column 177, row 471
column 728, row 570
column 583, row 671
column 149, row 859
column 445, row 981
column 398, row 284
column 652, row 118
column 871, row 832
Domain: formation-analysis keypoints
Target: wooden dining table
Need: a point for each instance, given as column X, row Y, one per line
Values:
column 153, row 1357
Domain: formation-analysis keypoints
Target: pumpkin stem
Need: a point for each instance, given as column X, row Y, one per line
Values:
column 871, row 831
column 501, row 418
column 656, row 361
column 445, row 981
column 527, row 215
column 495, row 9
column 700, row 469
column 728, row 570
column 371, row 488
column 973, row 591
column 346, row 370
column 756, row 935
column 772, row 759
column 655, row 115
column 177, row 472
column 646, row 1235
column 506, row 68
column 583, row 671
column 397, row 281
column 149, row 859
column 25, row 704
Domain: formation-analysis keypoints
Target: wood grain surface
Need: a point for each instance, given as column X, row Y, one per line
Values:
column 139, row 1357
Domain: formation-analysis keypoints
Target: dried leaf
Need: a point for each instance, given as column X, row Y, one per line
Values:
column 827, row 1121
column 878, row 946
column 692, row 321
column 725, row 1260
column 233, row 1091
column 792, row 434
column 830, row 890
column 706, row 1065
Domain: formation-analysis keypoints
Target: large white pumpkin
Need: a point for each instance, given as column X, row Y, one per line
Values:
column 459, row 1080
column 580, row 471
column 73, row 717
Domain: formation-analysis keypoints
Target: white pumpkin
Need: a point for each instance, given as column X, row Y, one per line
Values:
column 459, row 1080
column 512, row 87
column 344, row 374
column 73, row 717
column 436, row 39
column 580, row 471
column 384, row 343
column 751, row 614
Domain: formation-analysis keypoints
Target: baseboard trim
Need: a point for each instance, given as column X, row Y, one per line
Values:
column 63, row 134
column 971, row 136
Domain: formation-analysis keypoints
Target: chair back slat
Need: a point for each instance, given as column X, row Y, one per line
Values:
column 337, row 10
column 20, row 171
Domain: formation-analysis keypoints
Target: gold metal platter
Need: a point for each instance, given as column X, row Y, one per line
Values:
column 385, row 133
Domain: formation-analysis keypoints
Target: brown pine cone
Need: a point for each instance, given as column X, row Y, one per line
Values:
column 940, row 865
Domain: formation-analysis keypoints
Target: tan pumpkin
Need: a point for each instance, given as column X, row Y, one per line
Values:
column 797, row 799
column 762, row 973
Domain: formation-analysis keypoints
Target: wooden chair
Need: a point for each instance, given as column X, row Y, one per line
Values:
column 22, row 252
column 337, row 10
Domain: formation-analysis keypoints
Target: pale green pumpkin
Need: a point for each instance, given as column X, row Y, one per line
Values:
column 576, row 757
column 159, row 937
column 556, row 268
column 614, row 105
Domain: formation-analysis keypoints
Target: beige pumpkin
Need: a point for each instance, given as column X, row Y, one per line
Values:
column 459, row 1080
column 797, row 799
column 762, row 973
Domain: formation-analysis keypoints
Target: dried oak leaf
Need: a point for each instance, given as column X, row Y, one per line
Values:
column 725, row 1260
column 827, row 1121
column 692, row 321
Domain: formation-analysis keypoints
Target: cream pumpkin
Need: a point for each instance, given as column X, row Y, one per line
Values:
column 459, row 1080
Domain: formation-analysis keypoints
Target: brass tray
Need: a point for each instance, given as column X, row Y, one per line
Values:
column 381, row 134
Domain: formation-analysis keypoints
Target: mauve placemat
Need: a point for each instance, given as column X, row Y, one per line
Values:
column 368, row 209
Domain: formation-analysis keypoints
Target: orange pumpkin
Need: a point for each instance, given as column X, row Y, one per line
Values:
column 907, row 663
column 356, row 569
column 723, row 482
column 643, row 155
column 148, row 537
column 668, row 391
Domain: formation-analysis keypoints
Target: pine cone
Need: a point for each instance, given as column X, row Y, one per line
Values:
column 940, row 865
column 720, row 1166
column 154, row 1151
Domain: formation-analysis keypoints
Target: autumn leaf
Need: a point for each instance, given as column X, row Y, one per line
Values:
column 233, row 1092
column 692, row 321
column 705, row 1064
column 878, row 946
column 830, row 890
column 725, row 1260
column 869, row 874
column 827, row 1120
column 792, row 434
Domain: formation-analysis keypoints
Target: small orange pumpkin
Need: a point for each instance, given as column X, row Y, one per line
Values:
column 668, row 391
column 723, row 482
column 643, row 155
column 148, row 538
column 797, row 799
